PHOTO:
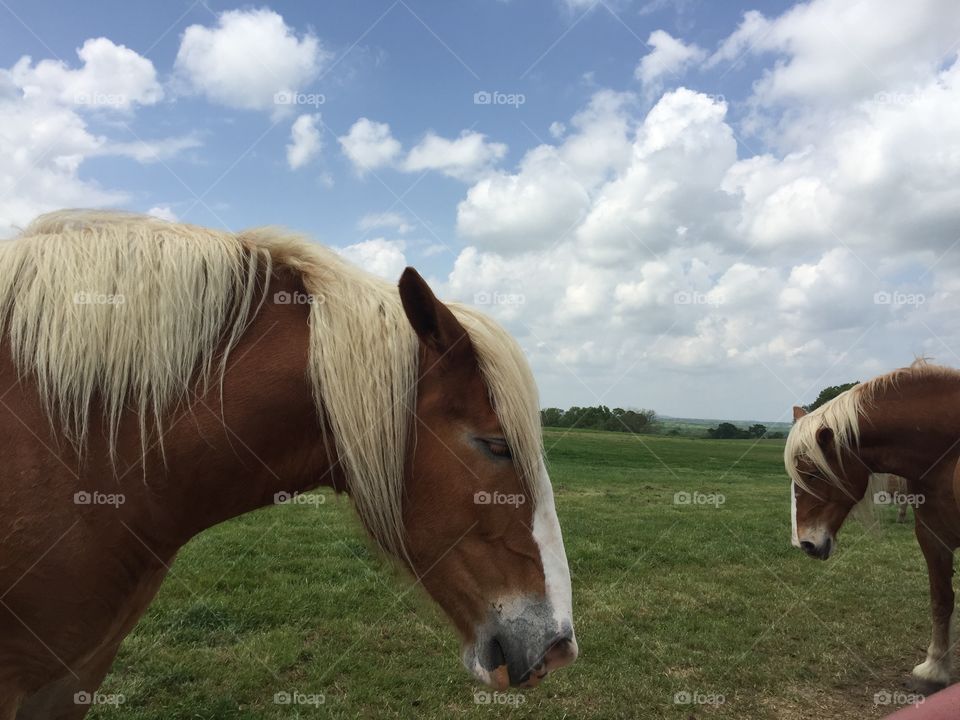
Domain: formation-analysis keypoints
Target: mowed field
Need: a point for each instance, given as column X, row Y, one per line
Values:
column 703, row 602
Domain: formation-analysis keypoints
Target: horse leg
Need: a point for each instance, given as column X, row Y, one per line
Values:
column 901, row 512
column 70, row 696
column 934, row 672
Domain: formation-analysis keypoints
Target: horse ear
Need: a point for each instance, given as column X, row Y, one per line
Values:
column 798, row 412
column 825, row 437
column 433, row 322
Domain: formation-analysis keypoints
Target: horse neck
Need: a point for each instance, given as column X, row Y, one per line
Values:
column 256, row 442
column 912, row 428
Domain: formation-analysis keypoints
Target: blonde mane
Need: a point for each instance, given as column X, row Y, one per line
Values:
column 136, row 312
column 842, row 415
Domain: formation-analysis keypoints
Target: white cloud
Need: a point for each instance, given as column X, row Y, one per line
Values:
column 466, row 157
column 669, row 57
column 378, row 256
column 305, row 141
column 112, row 77
column 163, row 212
column 543, row 201
column 370, row 145
column 248, row 59
column 150, row 151
column 834, row 51
column 45, row 137
column 391, row 220
column 720, row 281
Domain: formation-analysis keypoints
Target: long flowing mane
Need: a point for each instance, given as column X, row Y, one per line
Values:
column 842, row 415
column 133, row 311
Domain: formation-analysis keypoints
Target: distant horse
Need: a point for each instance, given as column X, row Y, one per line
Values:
column 157, row 379
column 906, row 423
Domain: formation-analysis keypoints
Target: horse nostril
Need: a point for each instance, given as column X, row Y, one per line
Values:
column 559, row 654
column 808, row 547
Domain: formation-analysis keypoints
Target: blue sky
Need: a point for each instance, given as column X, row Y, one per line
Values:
column 415, row 65
column 697, row 206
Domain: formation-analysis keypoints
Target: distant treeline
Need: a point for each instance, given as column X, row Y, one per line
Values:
column 599, row 418
column 729, row 431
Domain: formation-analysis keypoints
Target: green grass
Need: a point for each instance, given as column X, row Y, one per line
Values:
column 668, row 598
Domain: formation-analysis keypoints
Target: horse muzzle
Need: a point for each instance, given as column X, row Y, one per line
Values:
column 521, row 651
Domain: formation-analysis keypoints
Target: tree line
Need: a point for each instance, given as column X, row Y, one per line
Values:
column 600, row 417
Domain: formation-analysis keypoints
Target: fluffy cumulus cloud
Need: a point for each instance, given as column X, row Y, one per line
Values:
column 668, row 57
column 251, row 60
column 370, row 145
column 111, row 77
column 378, row 256
column 45, row 133
column 647, row 249
column 832, row 51
column 464, row 157
column 305, row 141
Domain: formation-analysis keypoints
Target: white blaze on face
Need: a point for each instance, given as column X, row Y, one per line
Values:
column 794, row 539
column 556, row 573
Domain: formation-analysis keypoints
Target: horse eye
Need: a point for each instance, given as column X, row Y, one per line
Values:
column 498, row 447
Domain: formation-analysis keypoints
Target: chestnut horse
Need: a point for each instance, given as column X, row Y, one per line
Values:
column 905, row 423
column 157, row 379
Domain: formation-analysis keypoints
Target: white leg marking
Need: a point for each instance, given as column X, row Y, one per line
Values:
column 936, row 667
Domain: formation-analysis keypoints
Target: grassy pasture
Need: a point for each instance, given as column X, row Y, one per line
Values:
column 672, row 601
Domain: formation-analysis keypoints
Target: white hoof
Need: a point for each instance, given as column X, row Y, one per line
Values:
column 931, row 671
